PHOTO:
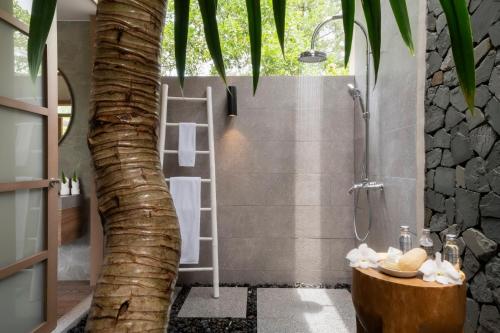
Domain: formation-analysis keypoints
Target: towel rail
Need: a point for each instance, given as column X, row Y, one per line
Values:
column 211, row 154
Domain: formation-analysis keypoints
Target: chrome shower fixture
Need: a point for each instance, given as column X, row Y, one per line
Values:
column 315, row 56
column 312, row 57
column 370, row 186
column 353, row 91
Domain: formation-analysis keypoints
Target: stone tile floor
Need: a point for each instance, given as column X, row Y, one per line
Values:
column 263, row 310
column 232, row 303
column 304, row 310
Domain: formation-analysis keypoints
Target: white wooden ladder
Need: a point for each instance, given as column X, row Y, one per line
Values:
column 211, row 152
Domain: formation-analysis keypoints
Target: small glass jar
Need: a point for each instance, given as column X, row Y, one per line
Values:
column 426, row 243
column 451, row 251
column 405, row 239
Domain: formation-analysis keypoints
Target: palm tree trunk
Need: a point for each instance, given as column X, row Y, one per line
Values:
column 141, row 258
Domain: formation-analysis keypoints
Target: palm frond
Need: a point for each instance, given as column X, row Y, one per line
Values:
column 181, row 23
column 373, row 17
column 460, row 30
column 208, row 9
column 401, row 15
column 255, row 33
column 348, row 11
column 279, row 9
column 42, row 14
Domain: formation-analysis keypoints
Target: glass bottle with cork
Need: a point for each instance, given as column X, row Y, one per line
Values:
column 451, row 251
column 426, row 243
column 405, row 243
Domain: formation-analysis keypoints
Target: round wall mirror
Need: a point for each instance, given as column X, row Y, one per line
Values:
column 65, row 106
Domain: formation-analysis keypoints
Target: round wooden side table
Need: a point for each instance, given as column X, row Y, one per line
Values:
column 386, row 304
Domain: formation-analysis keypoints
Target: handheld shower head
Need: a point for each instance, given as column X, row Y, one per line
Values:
column 353, row 91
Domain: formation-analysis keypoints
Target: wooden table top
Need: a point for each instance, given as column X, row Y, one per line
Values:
column 411, row 282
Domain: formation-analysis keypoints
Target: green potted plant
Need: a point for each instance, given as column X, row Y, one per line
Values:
column 75, row 184
column 64, row 184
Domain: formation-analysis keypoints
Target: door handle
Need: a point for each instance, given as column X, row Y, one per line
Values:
column 53, row 182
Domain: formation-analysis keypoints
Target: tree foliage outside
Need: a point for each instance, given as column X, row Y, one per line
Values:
column 302, row 17
column 21, row 41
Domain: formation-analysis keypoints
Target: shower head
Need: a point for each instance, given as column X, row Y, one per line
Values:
column 312, row 56
column 353, row 91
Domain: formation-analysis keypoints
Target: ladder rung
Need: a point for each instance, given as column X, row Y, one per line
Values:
column 206, row 239
column 192, row 99
column 177, row 124
column 196, row 269
column 205, row 209
column 203, row 180
column 199, row 152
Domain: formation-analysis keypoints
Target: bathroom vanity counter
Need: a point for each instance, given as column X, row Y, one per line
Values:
column 72, row 219
column 394, row 305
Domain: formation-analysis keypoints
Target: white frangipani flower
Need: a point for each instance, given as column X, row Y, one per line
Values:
column 362, row 257
column 441, row 271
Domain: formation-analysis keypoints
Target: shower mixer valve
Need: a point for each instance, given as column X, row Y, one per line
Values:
column 368, row 185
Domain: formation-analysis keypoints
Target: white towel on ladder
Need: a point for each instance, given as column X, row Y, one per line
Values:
column 187, row 144
column 186, row 194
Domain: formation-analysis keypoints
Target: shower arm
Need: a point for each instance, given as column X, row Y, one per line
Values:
column 368, row 51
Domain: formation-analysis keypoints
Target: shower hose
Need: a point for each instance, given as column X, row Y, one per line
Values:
column 364, row 174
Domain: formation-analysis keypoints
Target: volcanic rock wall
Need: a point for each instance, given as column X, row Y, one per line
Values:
column 463, row 157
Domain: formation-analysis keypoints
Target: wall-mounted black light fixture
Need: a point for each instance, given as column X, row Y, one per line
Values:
column 232, row 101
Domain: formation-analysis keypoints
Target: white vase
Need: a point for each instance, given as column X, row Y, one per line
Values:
column 64, row 187
column 75, row 187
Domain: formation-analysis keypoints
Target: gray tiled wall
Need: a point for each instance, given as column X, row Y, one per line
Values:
column 396, row 130
column 284, row 166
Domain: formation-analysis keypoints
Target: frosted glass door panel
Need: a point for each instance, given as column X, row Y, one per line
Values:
column 22, row 224
column 16, row 82
column 20, row 9
column 22, row 146
column 22, row 303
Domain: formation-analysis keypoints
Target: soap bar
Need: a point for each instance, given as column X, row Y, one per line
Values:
column 412, row 260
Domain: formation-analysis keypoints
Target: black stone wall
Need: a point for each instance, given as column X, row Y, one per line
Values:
column 463, row 157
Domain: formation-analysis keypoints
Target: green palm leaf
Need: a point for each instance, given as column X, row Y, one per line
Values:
column 459, row 27
column 279, row 9
column 401, row 14
column 255, row 33
column 373, row 16
column 42, row 14
column 181, row 23
column 348, row 9
column 208, row 9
